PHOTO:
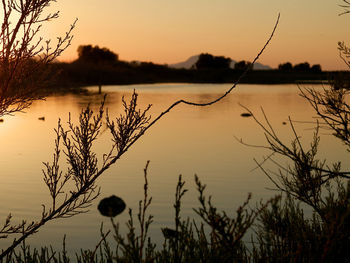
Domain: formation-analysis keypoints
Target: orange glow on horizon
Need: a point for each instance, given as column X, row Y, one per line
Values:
column 167, row 32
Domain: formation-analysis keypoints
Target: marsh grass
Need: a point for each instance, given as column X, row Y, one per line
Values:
column 282, row 233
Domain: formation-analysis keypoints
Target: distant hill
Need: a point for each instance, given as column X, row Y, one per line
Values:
column 259, row 66
column 191, row 60
column 186, row 64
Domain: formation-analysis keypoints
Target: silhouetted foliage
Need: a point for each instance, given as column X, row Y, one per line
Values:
column 285, row 66
column 340, row 80
column 346, row 7
column 284, row 233
column 305, row 66
column 242, row 65
column 344, row 52
column 24, row 55
column 316, row 68
column 301, row 67
column 208, row 61
column 94, row 54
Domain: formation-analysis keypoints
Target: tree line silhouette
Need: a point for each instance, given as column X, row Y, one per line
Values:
column 305, row 66
column 282, row 230
column 101, row 66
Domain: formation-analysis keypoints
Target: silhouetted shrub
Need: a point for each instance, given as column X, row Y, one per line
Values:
column 285, row 66
column 316, row 68
column 208, row 61
column 96, row 55
column 242, row 65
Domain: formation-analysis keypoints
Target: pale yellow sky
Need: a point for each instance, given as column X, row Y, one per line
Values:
column 168, row 31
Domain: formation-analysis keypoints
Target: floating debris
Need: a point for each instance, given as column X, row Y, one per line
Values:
column 1, row 120
column 111, row 206
column 284, row 123
column 41, row 118
column 246, row 114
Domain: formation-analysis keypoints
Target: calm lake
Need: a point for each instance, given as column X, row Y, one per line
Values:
column 188, row 141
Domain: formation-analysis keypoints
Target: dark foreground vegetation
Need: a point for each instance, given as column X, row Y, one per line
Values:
column 281, row 230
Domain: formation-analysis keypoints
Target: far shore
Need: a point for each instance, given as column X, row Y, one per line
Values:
column 73, row 76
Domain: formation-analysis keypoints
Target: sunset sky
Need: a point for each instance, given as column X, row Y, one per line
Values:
column 168, row 31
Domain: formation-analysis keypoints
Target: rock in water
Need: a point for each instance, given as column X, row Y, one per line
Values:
column 111, row 206
column 246, row 114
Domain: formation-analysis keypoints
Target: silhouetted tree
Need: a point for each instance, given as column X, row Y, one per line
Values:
column 242, row 65
column 73, row 190
column 299, row 67
column 285, row 66
column 302, row 67
column 316, row 68
column 324, row 186
column 208, row 61
column 91, row 54
column 24, row 54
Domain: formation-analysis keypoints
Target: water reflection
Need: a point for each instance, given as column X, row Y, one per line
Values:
column 188, row 141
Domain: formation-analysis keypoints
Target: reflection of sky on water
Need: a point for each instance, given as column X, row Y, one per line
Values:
column 188, row 141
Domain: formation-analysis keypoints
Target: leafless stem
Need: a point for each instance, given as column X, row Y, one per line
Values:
column 82, row 161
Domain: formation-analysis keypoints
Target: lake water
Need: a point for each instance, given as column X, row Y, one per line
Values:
column 188, row 141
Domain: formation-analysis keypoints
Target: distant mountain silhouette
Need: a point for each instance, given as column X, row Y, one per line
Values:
column 186, row 64
column 192, row 60
column 259, row 66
